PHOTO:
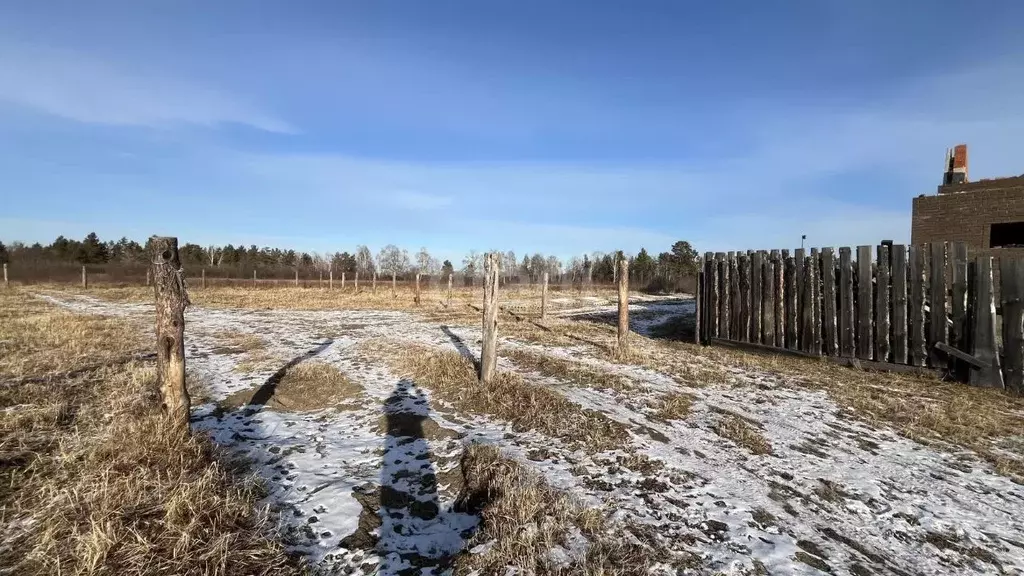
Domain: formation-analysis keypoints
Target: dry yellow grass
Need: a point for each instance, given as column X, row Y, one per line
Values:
column 238, row 340
column 576, row 373
column 743, row 433
column 304, row 387
column 94, row 479
column 37, row 339
column 674, row 406
column 526, row 519
column 509, row 397
column 287, row 297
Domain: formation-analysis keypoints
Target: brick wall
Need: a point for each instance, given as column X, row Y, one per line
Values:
column 967, row 216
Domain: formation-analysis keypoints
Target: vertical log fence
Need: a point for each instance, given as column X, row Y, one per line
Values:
column 893, row 307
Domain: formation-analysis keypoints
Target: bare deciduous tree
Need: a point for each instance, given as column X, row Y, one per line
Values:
column 423, row 261
column 509, row 264
column 393, row 260
column 214, row 255
column 471, row 263
column 364, row 261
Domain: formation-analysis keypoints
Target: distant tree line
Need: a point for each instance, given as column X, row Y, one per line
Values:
column 669, row 270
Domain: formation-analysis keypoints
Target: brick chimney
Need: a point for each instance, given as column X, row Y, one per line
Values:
column 956, row 165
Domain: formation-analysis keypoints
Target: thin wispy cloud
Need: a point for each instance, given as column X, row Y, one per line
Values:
column 84, row 89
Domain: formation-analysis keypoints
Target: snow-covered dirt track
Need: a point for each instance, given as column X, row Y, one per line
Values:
column 365, row 486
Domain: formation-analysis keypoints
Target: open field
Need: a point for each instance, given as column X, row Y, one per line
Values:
column 377, row 451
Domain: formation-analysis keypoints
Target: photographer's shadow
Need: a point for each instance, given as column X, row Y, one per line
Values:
column 416, row 534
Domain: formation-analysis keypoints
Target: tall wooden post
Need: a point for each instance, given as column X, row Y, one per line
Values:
column 296, row 277
column 489, row 346
column 254, row 277
column 204, row 279
column 544, row 298
column 321, row 280
column 416, row 298
column 85, row 278
column 171, row 300
column 375, row 282
column 7, row 282
column 623, row 305
column 449, row 290
column 394, row 284
column 330, row 279
column 983, row 340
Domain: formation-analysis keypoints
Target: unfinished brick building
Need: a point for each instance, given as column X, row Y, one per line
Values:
column 988, row 214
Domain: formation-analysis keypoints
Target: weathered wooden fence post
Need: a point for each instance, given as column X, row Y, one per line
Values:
column 743, row 285
column 204, row 279
column 416, row 297
column 330, row 279
column 937, row 301
column 171, row 300
column 814, row 275
column 1011, row 293
column 899, row 304
column 375, row 282
column 958, row 337
column 544, row 298
column 829, row 330
column 983, row 342
column 85, row 278
column 623, row 305
column 847, row 319
column 723, row 300
column 792, row 310
column 735, row 321
column 756, row 295
column 254, row 278
column 7, row 282
column 489, row 343
column 394, row 284
column 296, row 277
column 779, row 269
column 917, row 256
column 449, row 290
column 698, row 309
column 882, row 304
column 865, row 305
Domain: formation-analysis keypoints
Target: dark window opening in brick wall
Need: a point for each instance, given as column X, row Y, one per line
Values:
column 1006, row 235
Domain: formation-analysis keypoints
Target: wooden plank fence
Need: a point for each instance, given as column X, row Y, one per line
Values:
column 893, row 307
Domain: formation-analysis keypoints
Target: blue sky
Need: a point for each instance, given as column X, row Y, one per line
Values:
column 558, row 127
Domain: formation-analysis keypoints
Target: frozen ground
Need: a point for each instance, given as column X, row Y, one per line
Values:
column 367, row 487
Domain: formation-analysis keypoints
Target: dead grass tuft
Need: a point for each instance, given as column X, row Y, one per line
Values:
column 527, row 520
column 576, row 373
column 674, row 406
column 742, row 432
column 240, row 341
column 509, row 397
column 94, row 480
column 305, row 387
